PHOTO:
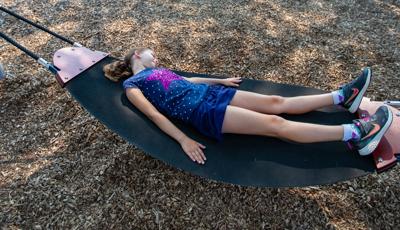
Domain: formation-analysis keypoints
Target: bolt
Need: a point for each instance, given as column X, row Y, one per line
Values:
column 93, row 61
column 80, row 69
column 380, row 160
column 58, row 56
column 72, row 49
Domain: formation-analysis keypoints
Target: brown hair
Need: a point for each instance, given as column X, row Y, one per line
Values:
column 121, row 68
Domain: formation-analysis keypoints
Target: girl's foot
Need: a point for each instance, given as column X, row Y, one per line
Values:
column 354, row 91
column 372, row 130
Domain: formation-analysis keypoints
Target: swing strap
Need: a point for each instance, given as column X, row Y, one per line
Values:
column 40, row 60
column 40, row 27
column 49, row 66
column 68, row 63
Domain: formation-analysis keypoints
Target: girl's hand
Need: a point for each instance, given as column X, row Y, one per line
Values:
column 194, row 150
column 232, row 81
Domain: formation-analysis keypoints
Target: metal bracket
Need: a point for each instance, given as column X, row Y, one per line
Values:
column 2, row 73
column 392, row 103
column 72, row 61
column 76, row 44
column 48, row 65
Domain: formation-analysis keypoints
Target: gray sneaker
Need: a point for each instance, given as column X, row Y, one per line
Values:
column 355, row 90
column 372, row 130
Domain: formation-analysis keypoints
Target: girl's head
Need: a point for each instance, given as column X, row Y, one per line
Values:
column 137, row 58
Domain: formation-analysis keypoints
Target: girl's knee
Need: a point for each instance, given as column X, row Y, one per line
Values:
column 275, row 125
column 277, row 103
column 278, row 99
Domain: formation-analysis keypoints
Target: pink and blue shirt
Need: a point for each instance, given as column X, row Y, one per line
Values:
column 170, row 93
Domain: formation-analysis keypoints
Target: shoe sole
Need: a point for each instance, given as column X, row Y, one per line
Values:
column 371, row 146
column 353, row 108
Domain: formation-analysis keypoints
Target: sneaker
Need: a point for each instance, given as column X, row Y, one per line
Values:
column 354, row 91
column 372, row 130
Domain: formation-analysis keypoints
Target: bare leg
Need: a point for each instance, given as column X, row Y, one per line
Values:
column 243, row 121
column 272, row 104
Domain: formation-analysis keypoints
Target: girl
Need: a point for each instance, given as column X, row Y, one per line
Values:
column 214, row 107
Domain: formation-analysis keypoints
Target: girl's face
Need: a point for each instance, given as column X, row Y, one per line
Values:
column 148, row 58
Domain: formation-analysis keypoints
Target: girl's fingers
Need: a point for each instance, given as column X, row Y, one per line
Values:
column 191, row 156
column 202, row 155
column 201, row 151
column 199, row 156
column 195, row 156
column 235, row 82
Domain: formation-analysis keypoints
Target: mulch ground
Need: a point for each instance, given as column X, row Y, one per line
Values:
column 61, row 168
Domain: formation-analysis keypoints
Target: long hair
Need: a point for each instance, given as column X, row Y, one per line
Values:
column 122, row 68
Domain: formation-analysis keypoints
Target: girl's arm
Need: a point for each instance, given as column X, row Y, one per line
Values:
column 210, row 81
column 232, row 81
column 191, row 147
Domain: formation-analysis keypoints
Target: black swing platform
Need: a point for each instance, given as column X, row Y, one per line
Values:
column 238, row 159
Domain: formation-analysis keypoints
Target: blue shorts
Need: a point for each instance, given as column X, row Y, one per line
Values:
column 208, row 117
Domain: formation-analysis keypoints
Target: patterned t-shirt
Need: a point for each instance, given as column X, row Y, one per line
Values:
column 170, row 93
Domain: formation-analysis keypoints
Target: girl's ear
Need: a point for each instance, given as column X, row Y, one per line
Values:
column 137, row 54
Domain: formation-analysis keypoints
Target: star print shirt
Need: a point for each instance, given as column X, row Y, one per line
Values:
column 170, row 93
